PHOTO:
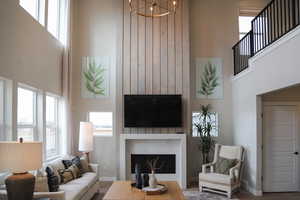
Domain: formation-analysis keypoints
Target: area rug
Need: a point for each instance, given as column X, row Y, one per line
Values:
column 193, row 194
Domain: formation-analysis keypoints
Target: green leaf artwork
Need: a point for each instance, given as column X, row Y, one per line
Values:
column 94, row 78
column 209, row 80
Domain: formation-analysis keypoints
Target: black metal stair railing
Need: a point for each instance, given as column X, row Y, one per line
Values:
column 274, row 21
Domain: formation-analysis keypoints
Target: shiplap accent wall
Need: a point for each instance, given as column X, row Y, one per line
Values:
column 156, row 58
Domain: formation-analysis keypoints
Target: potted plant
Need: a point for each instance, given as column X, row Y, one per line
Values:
column 204, row 127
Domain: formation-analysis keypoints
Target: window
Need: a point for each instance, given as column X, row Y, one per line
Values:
column 36, row 8
column 103, row 123
column 53, row 17
column 52, row 129
column 213, row 119
column 244, row 25
column 27, row 114
column 56, row 15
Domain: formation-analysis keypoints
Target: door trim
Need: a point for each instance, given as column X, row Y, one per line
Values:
column 279, row 103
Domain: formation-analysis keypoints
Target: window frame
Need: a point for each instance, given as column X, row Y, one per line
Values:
column 216, row 126
column 34, row 125
column 56, row 126
column 41, row 15
column 105, row 133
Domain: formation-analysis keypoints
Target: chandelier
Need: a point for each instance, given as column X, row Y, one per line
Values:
column 153, row 8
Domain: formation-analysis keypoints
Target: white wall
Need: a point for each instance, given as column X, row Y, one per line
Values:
column 97, row 24
column 28, row 53
column 213, row 31
column 274, row 68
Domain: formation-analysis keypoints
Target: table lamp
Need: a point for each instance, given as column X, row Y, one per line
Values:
column 86, row 138
column 19, row 158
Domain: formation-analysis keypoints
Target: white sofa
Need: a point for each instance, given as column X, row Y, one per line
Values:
column 83, row 188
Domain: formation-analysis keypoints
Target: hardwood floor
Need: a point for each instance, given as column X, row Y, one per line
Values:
column 270, row 196
column 104, row 186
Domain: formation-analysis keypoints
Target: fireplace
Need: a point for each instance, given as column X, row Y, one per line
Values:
column 170, row 148
column 166, row 163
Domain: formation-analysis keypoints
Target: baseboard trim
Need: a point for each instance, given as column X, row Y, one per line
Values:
column 105, row 178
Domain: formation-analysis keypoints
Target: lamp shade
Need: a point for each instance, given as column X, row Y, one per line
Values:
column 20, row 157
column 86, row 137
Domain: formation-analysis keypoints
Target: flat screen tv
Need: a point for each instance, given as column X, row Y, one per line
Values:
column 152, row 111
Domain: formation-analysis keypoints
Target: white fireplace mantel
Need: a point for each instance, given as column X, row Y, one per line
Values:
column 154, row 144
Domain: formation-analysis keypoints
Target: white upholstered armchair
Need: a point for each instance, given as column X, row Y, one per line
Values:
column 211, row 181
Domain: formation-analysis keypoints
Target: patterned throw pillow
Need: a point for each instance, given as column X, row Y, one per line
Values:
column 75, row 161
column 75, row 171
column 53, row 180
column 66, row 175
column 223, row 165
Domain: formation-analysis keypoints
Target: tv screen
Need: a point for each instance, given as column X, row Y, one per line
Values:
column 152, row 111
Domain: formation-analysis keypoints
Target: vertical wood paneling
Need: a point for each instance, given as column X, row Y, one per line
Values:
column 178, row 42
column 142, row 52
column 134, row 52
column 156, row 57
column 171, row 59
column 149, row 59
column 126, row 52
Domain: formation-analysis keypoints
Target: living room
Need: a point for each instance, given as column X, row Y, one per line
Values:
column 126, row 87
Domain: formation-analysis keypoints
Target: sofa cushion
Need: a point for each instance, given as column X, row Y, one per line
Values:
column 76, row 188
column 215, row 178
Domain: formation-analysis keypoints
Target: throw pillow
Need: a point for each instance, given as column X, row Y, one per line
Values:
column 75, row 170
column 67, row 163
column 75, row 161
column 223, row 165
column 85, row 164
column 53, row 181
column 66, row 175
column 41, row 182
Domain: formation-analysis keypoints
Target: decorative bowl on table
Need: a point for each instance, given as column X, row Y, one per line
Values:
column 159, row 189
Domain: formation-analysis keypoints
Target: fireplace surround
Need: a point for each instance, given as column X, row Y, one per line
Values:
column 173, row 145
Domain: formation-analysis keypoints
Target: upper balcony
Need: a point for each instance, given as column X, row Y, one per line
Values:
column 274, row 21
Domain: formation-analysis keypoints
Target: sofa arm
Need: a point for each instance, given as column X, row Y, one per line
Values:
column 60, row 195
column 204, row 167
column 95, row 168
